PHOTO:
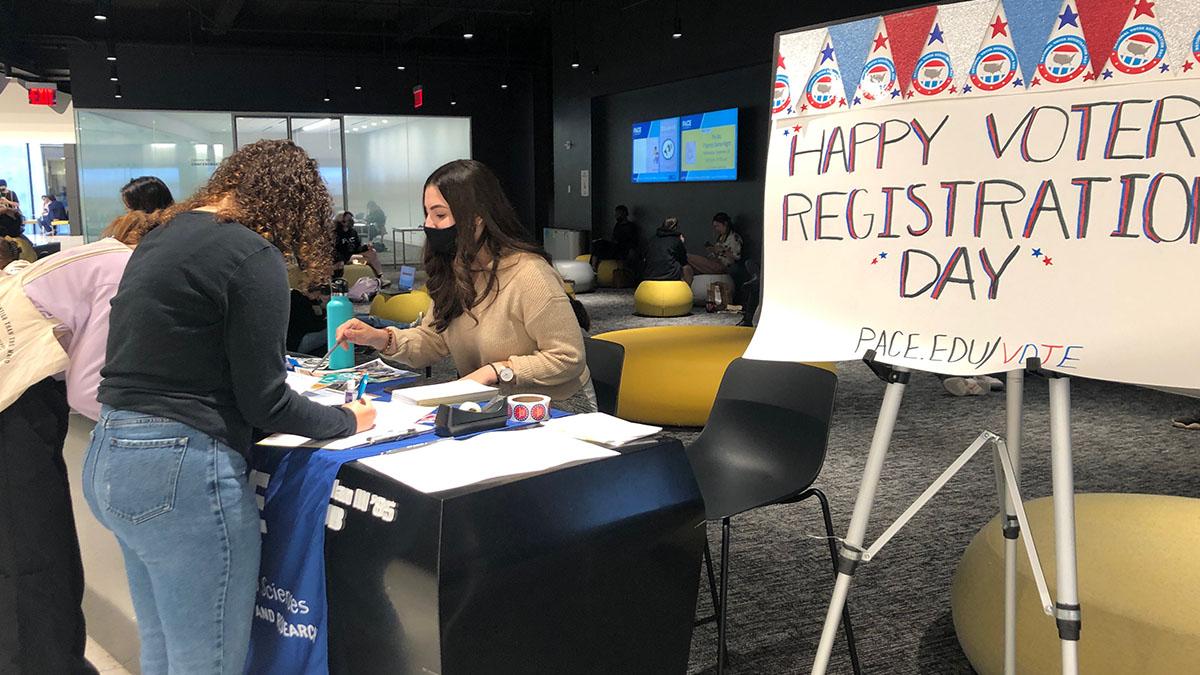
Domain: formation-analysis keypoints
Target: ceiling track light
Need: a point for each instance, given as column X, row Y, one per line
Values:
column 678, row 32
column 103, row 7
column 327, row 97
column 575, row 59
column 468, row 29
column 453, row 99
column 117, row 93
column 112, row 51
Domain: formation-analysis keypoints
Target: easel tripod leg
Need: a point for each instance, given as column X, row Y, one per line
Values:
column 1011, row 528
column 851, row 550
column 1066, row 607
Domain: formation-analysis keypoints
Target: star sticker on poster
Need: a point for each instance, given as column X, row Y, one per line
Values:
column 1143, row 8
column 1047, row 261
column 1037, row 252
column 999, row 27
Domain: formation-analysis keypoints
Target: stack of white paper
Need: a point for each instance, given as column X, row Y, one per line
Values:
column 449, row 464
column 457, row 391
column 601, row 428
column 391, row 419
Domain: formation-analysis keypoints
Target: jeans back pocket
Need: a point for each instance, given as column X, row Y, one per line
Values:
column 140, row 476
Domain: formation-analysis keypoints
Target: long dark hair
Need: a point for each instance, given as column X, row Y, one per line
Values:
column 473, row 193
column 277, row 192
column 147, row 194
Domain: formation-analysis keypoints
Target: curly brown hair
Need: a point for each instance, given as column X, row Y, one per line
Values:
column 274, row 189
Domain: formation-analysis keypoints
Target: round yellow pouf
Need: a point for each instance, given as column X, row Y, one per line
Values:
column 403, row 307
column 1139, row 582
column 612, row 274
column 352, row 273
column 662, row 298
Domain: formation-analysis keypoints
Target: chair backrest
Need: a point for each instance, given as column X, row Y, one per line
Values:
column 605, row 359
column 766, row 435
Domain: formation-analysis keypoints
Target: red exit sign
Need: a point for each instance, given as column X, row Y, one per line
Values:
column 43, row 95
column 418, row 96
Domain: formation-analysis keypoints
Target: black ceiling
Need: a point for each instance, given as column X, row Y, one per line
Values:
column 36, row 35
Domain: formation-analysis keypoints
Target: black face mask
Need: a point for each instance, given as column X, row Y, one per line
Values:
column 442, row 241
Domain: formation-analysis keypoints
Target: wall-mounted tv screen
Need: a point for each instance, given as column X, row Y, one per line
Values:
column 698, row 147
column 656, row 151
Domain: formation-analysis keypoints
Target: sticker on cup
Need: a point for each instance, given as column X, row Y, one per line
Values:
column 523, row 408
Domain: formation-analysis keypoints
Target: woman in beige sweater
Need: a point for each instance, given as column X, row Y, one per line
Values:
column 499, row 308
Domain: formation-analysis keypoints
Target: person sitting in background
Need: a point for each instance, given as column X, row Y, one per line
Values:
column 666, row 257
column 52, row 210
column 720, row 256
column 376, row 222
column 347, row 245
column 7, row 195
column 624, row 242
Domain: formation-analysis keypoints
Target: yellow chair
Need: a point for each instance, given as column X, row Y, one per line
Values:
column 671, row 373
column 352, row 273
column 1138, row 582
column 403, row 307
column 662, row 298
column 612, row 274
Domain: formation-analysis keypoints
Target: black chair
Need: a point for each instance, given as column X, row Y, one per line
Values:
column 605, row 359
column 764, row 444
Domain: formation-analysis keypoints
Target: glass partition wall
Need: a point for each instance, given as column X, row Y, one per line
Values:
column 378, row 158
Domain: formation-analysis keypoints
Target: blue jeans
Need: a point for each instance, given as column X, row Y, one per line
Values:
column 183, row 510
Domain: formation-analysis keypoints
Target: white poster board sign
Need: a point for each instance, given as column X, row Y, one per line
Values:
column 968, row 219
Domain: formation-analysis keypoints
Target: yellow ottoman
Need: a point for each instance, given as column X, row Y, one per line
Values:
column 671, row 373
column 1139, row 582
column 402, row 307
column 662, row 298
column 612, row 274
column 352, row 273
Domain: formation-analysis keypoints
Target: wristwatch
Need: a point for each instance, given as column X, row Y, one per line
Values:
column 504, row 373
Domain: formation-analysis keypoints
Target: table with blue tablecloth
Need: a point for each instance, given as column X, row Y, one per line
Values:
column 589, row 567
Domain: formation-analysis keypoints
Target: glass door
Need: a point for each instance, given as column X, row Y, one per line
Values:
column 248, row 129
column 321, row 138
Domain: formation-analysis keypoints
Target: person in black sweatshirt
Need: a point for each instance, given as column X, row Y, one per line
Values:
column 195, row 365
column 666, row 256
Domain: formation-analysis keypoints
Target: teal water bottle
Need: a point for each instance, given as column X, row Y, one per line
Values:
column 337, row 312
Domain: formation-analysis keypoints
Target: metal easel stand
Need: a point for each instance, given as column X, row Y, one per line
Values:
column 852, row 553
column 1066, row 610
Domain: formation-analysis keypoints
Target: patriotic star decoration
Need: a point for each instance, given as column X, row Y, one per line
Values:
column 883, row 255
column 779, row 62
column 908, row 94
column 895, row 93
column 967, row 89
column 791, row 110
column 785, row 132
column 1187, row 65
column 803, row 107
column 1068, row 18
column 1143, row 8
column 1018, row 82
column 1107, row 74
column 1037, row 252
column 935, row 35
column 1164, row 68
column 953, row 89
column 1089, row 77
column 796, row 128
column 857, row 101
column 999, row 27
column 841, row 102
column 1034, row 82
column 874, row 261
column 1047, row 261
column 880, row 42
column 827, row 53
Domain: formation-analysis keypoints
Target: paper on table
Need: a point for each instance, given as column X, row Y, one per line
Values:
column 390, row 419
column 449, row 464
column 446, row 392
column 601, row 428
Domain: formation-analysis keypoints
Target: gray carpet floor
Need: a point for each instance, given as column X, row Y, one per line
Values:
column 781, row 578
